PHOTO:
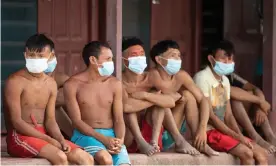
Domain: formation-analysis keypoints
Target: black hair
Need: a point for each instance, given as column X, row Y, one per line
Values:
column 128, row 42
column 225, row 45
column 93, row 49
column 38, row 42
column 162, row 47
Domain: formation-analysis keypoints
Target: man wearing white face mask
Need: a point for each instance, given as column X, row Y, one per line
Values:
column 30, row 97
column 223, row 133
column 169, row 78
column 94, row 102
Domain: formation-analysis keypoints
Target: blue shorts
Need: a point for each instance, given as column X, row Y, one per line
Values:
column 167, row 138
column 92, row 145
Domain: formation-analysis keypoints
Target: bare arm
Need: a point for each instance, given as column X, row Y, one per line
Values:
column 132, row 105
column 119, row 124
column 70, row 97
column 60, row 98
column 50, row 118
column 161, row 100
column 189, row 84
column 250, row 87
column 230, row 119
column 12, row 92
column 242, row 95
column 219, row 125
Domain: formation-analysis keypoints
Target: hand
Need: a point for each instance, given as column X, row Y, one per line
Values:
column 117, row 148
column 54, row 142
column 200, row 139
column 176, row 96
column 265, row 106
column 245, row 141
column 139, row 95
column 65, row 147
column 110, row 143
column 260, row 117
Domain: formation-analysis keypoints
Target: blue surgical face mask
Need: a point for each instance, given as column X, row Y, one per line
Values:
column 51, row 65
column 107, row 69
column 224, row 68
column 173, row 66
column 137, row 64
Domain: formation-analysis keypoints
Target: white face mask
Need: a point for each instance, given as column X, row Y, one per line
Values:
column 36, row 65
column 107, row 69
column 137, row 64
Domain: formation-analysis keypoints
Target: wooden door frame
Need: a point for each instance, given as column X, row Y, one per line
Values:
column 196, row 22
column 269, row 52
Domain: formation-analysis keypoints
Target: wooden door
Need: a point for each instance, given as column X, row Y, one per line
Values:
column 242, row 27
column 70, row 24
column 178, row 20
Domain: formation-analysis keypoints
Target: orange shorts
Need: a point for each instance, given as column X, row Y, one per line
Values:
column 146, row 131
column 221, row 142
column 24, row 146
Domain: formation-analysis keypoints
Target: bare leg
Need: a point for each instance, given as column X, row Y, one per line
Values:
column 181, row 145
column 242, row 118
column 80, row 157
column 133, row 125
column 103, row 158
column 244, row 154
column 191, row 114
column 260, row 155
column 269, row 134
column 54, row 155
column 64, row 122
column 155, row 118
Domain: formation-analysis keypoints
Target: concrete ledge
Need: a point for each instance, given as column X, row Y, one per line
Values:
column 139, row 159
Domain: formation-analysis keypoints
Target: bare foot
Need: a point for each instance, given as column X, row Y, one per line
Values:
column 184, row 147
column 270, row 148
column 147, row 149
column 209, row 151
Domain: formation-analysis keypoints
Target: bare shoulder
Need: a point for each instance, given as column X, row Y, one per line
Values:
column 61, row 78
column 16, row 79
column 115, row 82
column 183, row 75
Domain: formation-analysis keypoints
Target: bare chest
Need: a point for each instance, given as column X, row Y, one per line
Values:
column 35, row 95
column 95, row 95
column 168, row 86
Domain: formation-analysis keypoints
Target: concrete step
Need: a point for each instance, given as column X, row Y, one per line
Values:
column 157, row 159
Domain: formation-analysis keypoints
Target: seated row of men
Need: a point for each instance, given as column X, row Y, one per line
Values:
column 146, row 112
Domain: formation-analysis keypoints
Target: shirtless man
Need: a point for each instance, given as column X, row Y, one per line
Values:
column 138, row 97
column 94, row 102
column 168, row 78
column 30, row 97
column 223, row 132
column 250, row 107
column 63, row 120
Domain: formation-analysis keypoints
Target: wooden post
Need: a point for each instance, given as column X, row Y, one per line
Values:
column 269, row 52
column 114, row 32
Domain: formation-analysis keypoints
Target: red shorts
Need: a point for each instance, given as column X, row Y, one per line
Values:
column 221, row 142
column 24, row 146
column 146, row 131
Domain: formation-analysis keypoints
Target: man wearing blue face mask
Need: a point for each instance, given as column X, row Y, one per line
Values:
column 251, row 108
column 94, row 102
column 169, row 78
column 223, row 133
column 141, row 97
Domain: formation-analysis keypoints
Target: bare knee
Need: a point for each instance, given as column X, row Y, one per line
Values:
column 61, row 158
column 103, row 158
column 189, row 97
column 80, row 157
column 247, row 155
column 261, row 157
